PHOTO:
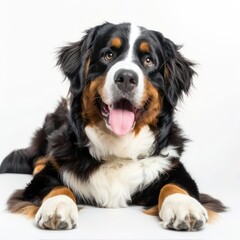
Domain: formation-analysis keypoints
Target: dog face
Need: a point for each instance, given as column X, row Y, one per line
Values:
column 124, row 75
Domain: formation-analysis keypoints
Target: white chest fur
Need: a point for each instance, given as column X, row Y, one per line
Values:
column 113, row 184
column 103, row 143
column 127, row 166
column 122, row 174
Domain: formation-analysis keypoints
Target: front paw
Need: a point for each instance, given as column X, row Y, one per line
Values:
column 182, row 212
column 59, row 212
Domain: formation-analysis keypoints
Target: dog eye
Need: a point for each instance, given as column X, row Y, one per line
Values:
column 148, row 62
column 108, row 56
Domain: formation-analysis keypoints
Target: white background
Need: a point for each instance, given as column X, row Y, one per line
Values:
column 31, row 85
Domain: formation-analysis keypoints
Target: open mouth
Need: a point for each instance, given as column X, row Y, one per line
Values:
column 121, row 116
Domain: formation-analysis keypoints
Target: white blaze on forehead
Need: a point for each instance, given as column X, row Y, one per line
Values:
column 133, row 36
column 128, row 64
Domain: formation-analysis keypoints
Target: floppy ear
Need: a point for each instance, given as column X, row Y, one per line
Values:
column 178, row 72
column 73, row 60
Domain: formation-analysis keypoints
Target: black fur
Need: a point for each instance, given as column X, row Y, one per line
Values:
column 178, row 175
column 19, row 161
column 72, row 60
column 63, row 137
column 42, row 184
column 211, row 203
column 71, row 156
column 22, row 161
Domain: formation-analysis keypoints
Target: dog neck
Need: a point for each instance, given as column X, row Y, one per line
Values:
column 105, row 145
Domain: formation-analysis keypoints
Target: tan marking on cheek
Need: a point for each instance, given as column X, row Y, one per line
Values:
column 168, row 190
column 60, row 191
column 153, row 101
column 116, row 42
column 90, row 111
column 144, row 47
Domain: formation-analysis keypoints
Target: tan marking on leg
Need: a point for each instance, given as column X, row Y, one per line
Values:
column 152, row 211
column 39, row 165
column 60, row 191
column 168, row 190
column 38, row 169
column 212, row 216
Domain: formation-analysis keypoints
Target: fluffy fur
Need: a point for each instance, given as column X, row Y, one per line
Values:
column 114, row 142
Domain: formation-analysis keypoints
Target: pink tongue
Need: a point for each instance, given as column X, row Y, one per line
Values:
column 121, row 119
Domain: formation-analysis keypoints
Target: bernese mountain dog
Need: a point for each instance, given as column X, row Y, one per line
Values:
column 113, row 142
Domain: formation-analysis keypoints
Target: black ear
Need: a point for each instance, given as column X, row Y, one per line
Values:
column 73, row 61
column 73, row 58
column 178, row 72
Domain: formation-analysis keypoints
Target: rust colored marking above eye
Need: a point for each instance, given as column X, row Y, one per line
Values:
column 116, row 42
column 144, row 47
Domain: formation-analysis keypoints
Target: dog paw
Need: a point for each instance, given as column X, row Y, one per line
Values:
column 182, row 212
column 59, row 212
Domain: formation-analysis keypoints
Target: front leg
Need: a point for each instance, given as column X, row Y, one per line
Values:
column 179, row 211
column 45, row 198
column 58, row 210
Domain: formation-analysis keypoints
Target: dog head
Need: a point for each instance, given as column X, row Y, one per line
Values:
column 124, row 75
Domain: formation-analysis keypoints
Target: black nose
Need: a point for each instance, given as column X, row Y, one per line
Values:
column 126, row 80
